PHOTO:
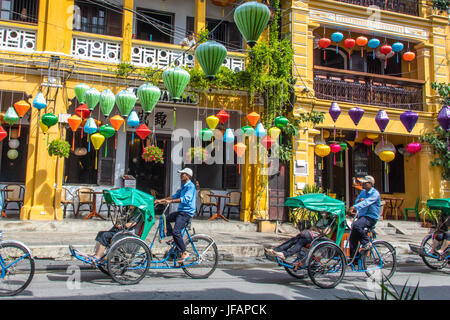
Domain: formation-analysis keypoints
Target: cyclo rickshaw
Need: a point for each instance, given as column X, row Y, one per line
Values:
column 128, row 258
column 326, row 259
column 425, row 250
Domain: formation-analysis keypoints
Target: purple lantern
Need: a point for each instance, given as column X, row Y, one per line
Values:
column 382, row 121
column 334, row 112
column 356, row 114
column 409, row 119
column 444, row 120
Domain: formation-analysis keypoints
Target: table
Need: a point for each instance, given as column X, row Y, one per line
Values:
column 219, row 213
column 394, row 204
column 94, row 212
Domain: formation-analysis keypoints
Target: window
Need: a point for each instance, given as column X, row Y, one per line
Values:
column 14, row 170
column 331, row 59
column 154, row 26
column 19, row 10
column 99, row 19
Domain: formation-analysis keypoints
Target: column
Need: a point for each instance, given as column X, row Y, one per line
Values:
column 127, row 29
column 429, row 177
column 425, row 72
column 200, row 16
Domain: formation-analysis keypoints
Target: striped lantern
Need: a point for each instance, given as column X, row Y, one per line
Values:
column 210, row 55
column 251, row 18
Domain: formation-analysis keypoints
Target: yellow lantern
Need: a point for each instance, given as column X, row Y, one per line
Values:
column 212, row 122
column 373, row 136
column 43, row 127
column 274, row 133
column 97, row 141
column 322, row 150
column 387, row 156
column 326, row 134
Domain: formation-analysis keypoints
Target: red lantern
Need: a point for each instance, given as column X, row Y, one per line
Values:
column 143, row 132
column 368, row 142
column 223, row 116
column 335, row 148
column 83, row 112
column 267, row 142
column 386, row 49
column 324, row 43
column 3, row 133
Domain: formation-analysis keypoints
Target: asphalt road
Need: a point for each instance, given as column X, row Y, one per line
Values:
column 226, row 284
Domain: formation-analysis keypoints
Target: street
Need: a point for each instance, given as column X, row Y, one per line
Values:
column 237, row 283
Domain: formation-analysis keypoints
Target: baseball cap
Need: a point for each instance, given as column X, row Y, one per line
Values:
column 187, row 171
column 369, row 179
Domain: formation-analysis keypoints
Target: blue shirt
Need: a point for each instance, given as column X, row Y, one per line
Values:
column 370, row 206
column 187, row 195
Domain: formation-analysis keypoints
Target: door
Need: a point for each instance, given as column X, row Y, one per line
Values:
column 278, row 192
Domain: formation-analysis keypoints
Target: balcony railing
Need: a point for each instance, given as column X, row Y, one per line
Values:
column 20, row 10
column 17, row 39
column 366, row 88
column 410, row 7
column 96, row 49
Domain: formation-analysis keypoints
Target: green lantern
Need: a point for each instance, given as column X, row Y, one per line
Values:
column 11, row 116
column 210, row 55
column 92, row 97
column 207, row 134
column 176, row 80
column 281, row 122
column 248, row 131
column 125, row 100
column 251, row 18
column 80, row 90
column 148, row 96
column 107, row 101
column 107, row 131
column 344, row 147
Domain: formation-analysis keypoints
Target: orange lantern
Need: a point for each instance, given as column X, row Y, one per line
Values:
column 409, row 56
column 116, row 123
column 253, row 118
column 362, row 41
column 240, row 148
column 74, row 122
column 22, row 108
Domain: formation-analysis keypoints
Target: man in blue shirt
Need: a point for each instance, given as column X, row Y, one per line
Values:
column 368, row 208
column 185, row 196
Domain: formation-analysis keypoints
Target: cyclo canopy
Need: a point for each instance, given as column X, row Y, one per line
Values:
column 133, row 197
column 319, row 202
column 440, row 204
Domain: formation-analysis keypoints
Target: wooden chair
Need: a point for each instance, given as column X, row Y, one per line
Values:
column 108, row 205
column 415, row 209
column 13, row 193
column 234, row 202
column 67, row 199
column 206, row 201
column 85, row 197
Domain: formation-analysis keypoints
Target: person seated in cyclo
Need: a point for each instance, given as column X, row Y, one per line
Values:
column 103, row 238
column 367, row 206
column 324, row 227
column 441, row 236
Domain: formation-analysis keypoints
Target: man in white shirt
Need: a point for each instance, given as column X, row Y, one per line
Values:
column 189, row 40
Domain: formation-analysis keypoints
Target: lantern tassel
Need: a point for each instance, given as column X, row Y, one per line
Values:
column 96, row 153
column 132, row 137
column 174, row 117
column 115, row 142
column 322, row 164
column 334, row 158
column 362, row 52
column 106, row 148
column 73, row 141
column 20, row 126
column 89, row 146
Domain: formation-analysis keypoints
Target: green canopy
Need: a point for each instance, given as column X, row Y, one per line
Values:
column 321, row 202
column 137, row 198
column 440, row 204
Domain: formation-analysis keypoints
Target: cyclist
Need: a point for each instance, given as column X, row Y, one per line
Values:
column 185, row 196
column 441, row 236
column 367, row 206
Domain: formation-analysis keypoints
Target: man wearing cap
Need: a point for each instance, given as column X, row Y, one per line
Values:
column 368, row 208
column 185, row 196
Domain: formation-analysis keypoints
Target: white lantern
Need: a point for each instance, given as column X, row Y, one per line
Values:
column 14, row 143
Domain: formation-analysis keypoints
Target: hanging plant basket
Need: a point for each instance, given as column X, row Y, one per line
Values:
column 153, row 154
column 59, row 148
column 197, row 152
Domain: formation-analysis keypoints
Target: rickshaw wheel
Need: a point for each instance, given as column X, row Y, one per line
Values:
column 326, row 265
column 432, row 263
column 128, row 260
column 203, row 257
column 103, row 269
column 301, row 272
column 371, row 260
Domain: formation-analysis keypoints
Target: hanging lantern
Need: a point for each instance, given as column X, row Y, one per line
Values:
column 373, row 43
column 223, row 3
column 281, row 122
column 274, row 132
column 125, row 100
column 240, row 148
column 223, row 116
column 253, row 118
column 92, row 97
column 175, row 80
column 444, row 121
column 387, row 156
column 382, row 120
column 11, row 118
column 386, row 50
column 80, row 90
column 39, row 103
column 409, row 120
column 49, row 119
column 248, row 131
column 349, row 43
column 82, row 111
column 143, row 132
column 260, row 131
column 326, row 134
column 12, row 154
column 210, row 55
column 21, row 108
column 97, row 141
column 414, row 147
column 356, row 115
column 43, row 127
column 90, row 127
column 334, row 112
column 148, row 96
column 267, row 142
column 107, row 102
column 386, row 146
column 206, row 134
column 397, row 47
column 116, row 122
column 368, row 142
column 324, row 43
column 74, row 123
column 212, row 122
column 343, row 147
column 3, row 133
column 228, row 138
column 133, row 121
column 361, row 42
column 409, row 56
column 337, row 37
column 373, row 136
column 335, row 148
column 107, row 131
column 251, row 18
column 322, row 150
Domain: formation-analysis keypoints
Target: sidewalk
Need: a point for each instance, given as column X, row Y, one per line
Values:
column 238, row 242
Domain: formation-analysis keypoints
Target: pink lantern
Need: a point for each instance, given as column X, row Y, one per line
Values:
column 368, row 142
column 414, row 147
column 335, row 148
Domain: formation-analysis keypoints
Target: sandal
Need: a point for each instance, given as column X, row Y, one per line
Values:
column 297, row 265
column 269, row 251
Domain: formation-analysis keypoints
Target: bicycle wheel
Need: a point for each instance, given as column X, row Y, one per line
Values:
column 301, row 273
column 432, row 263
column 203, row 257
column 128, row 260
column 17, row 268
column 380, row 261
column 326, row 265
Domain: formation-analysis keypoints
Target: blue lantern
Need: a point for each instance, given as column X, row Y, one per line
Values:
column 397, row 47
column 90, row 127
column 228, row 138
column 260, row 131
column 373, row 43
column 337, row 37
column 133, row 121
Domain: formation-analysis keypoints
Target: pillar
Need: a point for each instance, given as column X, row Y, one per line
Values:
column 425, row 72
column 429, row 177
column 200, row 16
column 127, row 29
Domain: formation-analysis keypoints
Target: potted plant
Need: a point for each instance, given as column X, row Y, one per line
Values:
column 59, row 148
column 153, row 154
column 430, row 217
column 301, row 217
column 197, row 153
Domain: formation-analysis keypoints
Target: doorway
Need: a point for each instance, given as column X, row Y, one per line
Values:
column 278, row 192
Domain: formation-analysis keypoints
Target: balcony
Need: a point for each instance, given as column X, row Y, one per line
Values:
column 22, row 11
column 370, row 89
column 410, row 7
column 18, row 39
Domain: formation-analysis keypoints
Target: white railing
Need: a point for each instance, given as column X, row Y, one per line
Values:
column 17, row 39
column 96, row 49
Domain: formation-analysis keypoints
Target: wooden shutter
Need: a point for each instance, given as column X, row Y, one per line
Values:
column 106, row 166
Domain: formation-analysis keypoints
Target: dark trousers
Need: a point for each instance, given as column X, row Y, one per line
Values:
column 294, row 245
column 357, row 234
column 181, row 219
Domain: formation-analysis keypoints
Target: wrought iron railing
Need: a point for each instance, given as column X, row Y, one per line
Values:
column 410, row 7
column 20, row 10
column 365, row 88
